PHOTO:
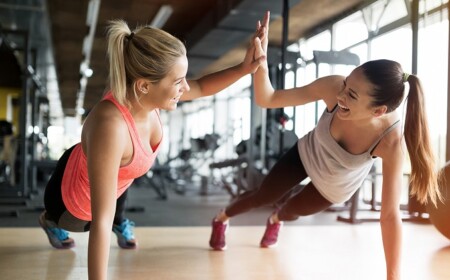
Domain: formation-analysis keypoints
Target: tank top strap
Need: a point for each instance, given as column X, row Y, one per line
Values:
column 127, row 117
column 125, row 112
column 386, row 131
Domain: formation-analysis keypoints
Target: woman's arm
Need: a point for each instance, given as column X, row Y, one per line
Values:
column 104, row 147
column 266, row 96
column 391, row 223
column 215, row 82
column 325, row 88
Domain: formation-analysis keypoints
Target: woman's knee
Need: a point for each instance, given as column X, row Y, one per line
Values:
column 286, row 216
column 291, row 211
column 289, row 214
column 69, row 222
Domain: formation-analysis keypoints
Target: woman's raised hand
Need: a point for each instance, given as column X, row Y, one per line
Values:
column 254, row 57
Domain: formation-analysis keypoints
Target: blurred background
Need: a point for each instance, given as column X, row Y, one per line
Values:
column 53, row 70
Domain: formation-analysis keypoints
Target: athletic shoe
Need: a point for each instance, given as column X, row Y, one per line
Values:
column 57, row 237
column 125, row 234
column 270, row 236
column 217, row 240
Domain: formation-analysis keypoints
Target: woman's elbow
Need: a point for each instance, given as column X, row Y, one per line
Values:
column 389, row 218
column 263, row 103
column 265, row 99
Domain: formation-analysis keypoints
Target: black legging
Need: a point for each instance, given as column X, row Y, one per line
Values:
column 286, row 174
column 54, row 204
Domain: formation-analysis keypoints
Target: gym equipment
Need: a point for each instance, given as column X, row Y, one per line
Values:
column 233, row 175
column 412, row 211
column 238, row 175
column 440, row 214
column 184, row 170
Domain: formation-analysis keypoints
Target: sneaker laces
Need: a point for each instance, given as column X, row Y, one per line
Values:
column 126, row 229
column 273, row 231
column 218, row 233
column 60, row 233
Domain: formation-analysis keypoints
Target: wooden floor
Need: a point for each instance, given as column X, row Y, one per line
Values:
column 304, row 252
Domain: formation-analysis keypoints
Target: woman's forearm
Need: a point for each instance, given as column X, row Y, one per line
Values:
column 98, row 251
column 391, row 230
column 215, row 82
column 263, row 87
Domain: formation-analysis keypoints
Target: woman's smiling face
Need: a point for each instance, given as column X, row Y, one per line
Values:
column 354, row 100
column 166, row 93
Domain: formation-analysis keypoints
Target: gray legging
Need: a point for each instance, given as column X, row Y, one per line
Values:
column 285, row 175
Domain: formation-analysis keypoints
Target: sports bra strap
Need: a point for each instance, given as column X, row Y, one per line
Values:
column 389, row 129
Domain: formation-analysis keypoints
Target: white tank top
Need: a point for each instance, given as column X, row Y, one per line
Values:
column 335, row 173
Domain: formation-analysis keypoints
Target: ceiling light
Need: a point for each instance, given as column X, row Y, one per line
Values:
column 88, row 72
column 162, row 16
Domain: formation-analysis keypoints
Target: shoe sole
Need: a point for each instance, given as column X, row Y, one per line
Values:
column 41, row 223
column 219, row 249
column 126, row 246
column 122, row 243
column 268, row 246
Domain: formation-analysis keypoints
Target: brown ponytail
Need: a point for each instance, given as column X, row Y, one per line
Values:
column 424, row 175
column 389, row 81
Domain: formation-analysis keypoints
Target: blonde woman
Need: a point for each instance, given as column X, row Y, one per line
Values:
column 121, row 138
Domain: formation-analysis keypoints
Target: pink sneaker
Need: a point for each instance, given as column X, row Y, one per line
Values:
column 217, row 240
column 270, row 236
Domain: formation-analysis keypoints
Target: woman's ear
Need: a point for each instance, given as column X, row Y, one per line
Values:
column 380, row 110
column 142, row 86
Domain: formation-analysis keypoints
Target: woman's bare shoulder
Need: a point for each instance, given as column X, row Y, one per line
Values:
column 392, row 144
column 104, row 111
column 104, row 118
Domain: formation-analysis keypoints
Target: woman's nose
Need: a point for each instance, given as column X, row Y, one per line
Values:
column 186, row 85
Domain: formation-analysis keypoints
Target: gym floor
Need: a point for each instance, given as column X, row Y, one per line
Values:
column 173, row 244
column 145, row 208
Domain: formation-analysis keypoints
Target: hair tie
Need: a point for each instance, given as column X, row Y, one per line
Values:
column 130, row 36
column 405, row 77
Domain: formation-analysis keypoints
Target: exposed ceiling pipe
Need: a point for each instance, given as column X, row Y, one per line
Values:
column 22, row 7
column 162, row 16
column 230, row 22
column 284, row 42
column 85, row 70
column 52, row 86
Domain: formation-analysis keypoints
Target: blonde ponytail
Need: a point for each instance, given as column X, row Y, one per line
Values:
column 117, row 32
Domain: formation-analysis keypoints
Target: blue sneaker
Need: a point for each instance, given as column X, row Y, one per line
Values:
column 57, row 237
column 125, row 234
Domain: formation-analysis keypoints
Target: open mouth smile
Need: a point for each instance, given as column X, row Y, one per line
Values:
column 343, row 108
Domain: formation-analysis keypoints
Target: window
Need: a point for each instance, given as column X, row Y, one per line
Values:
column 388, row 11
column 432, row 70
column 395, row 45
column 361, row 51
column 358, row 27
column 428, row 5
column 320, row 42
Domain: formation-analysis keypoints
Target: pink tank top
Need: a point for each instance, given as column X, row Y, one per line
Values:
column 75, row 183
